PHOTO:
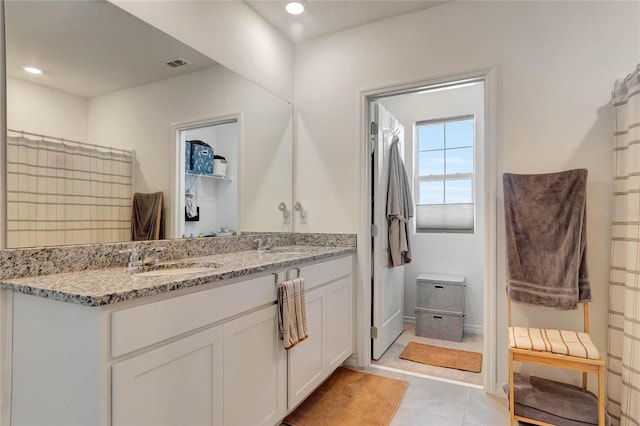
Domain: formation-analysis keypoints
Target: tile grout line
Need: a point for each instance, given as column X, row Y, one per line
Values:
column 466, row 407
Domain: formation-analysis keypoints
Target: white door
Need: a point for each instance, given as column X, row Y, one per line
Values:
column 388, row 283
column 176, row 384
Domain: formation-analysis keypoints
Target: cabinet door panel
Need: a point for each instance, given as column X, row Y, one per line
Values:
column 254, row 370
column 306, row 360
column 339, row 324
column 177, row 384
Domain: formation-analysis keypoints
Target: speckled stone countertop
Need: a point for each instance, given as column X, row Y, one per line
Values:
column 99, row 287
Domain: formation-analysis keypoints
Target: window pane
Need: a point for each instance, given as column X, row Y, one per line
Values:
column 459, row 133
column 431, row 163
column 431, row 137
column 458, row 191
column 459, row 160
column 431, row 192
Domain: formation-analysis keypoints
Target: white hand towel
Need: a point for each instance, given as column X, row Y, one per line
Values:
column 292, row 316
column 190, row 206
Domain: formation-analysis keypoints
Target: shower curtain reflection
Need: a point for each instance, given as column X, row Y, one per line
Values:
column 66, row 192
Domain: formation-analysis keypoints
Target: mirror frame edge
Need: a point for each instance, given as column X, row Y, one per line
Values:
column 3, row 132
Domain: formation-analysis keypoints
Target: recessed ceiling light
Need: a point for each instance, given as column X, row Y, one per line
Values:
column 294, row 8
column 32, row 70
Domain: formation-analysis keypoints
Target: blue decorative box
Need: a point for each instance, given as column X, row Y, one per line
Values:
column 201, row 158
column 187, row 156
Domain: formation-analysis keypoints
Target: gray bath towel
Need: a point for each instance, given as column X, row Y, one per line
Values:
column 554, row 402
column 545, row 218
column 399, row 208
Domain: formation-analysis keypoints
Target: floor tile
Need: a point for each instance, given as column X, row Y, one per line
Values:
column 413, row 418
column 483, row 409
column 430, row 397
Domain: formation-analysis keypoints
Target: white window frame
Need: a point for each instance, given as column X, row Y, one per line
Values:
column 453, row 208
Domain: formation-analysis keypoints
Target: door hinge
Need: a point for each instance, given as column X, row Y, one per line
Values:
column 374, row 230
column 372, row 137
column 374, row 332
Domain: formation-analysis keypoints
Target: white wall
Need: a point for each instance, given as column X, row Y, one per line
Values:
column 556, row 64
column 42, row 110
column 141, row 118
column 229, row 32
column 446, row 253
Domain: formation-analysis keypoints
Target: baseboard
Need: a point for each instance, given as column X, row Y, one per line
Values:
column 468, row 328
column 473, row 329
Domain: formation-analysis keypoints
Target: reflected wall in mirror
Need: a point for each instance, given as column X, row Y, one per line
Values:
column 105, row 82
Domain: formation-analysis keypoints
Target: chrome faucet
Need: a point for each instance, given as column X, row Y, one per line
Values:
column 153, row 258
column 133, row 259
column 265, row 244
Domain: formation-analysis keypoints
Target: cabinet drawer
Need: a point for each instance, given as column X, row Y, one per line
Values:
column 322, row 273
column 141, row 326
column 440, row 296
column 439, row 325
column 441, row 292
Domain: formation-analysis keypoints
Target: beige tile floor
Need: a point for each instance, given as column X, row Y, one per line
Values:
column 391, row 358
column 430, row 402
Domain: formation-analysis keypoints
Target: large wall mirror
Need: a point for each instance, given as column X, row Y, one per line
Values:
column 132, row 96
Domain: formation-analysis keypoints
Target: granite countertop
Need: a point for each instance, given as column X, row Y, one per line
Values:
column 101, row 287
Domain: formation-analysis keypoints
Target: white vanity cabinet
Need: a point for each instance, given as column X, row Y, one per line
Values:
column 207, row 356
column 255, row 372
column 179, row 383
column 330, row 326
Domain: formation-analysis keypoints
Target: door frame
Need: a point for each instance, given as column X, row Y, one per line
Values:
column 177, row 167
column 363, row 280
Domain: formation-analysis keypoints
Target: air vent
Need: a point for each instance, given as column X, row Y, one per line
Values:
column 178, row 62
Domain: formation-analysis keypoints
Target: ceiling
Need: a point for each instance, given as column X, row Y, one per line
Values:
column 322, row 17
column 90, row 48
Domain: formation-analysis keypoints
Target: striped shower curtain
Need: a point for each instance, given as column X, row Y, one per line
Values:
column 623, row 370
column 64, row 192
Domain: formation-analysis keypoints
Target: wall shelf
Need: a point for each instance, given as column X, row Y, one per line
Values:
column 198, row 175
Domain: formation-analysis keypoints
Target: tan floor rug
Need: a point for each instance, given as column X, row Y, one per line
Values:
column 351, row 398
column 443, row 357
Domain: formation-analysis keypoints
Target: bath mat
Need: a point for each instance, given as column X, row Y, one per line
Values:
column 350, row 398
column 443, row 357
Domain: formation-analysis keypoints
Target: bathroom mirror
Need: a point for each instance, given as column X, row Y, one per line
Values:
column 112, row 80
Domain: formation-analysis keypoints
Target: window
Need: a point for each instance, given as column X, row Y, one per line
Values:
column 445, row 175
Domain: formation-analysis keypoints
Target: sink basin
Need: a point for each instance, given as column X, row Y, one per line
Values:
column 173, row 268
column 289, row 250
column 279, row 252
column 171, row 271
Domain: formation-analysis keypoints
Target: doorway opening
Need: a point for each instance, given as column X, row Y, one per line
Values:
column 440, row 132
column 207, row 177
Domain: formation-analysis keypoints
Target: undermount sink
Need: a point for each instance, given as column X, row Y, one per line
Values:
column 279, row 252
column 173, row 268
column 288, row 250
column 171, row 271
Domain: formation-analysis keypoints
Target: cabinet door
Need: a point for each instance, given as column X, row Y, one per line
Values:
column 176, row 384
column 339, row 322
column 306, row 359
column 254, row 370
